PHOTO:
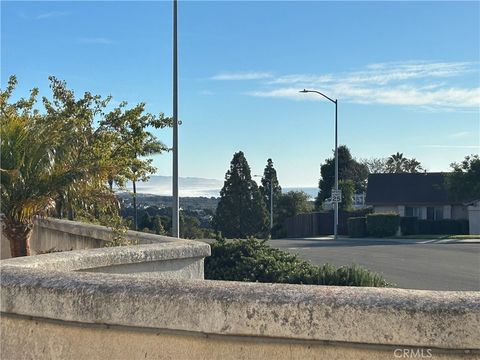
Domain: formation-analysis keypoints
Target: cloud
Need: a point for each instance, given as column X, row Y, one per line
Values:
column 460, row 134
column 206, row 92
column 452, row 146
column 400, row 95
column 241, row 76
column 95, row 40
column 52, row 14
column 396, row 83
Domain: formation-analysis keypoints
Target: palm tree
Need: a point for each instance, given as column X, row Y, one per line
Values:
column 30, row 178
column 396, row 163
column 413, row 166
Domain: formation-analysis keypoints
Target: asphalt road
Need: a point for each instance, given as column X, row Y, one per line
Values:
column 413, row 264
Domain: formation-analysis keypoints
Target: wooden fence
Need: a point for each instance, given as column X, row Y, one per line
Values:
column 320, row 223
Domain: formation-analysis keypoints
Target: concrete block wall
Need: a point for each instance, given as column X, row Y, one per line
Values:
column 51, row 233
column 50, row 310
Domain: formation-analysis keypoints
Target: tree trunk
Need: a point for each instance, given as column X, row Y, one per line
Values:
column 135, row 205
column 19, row 236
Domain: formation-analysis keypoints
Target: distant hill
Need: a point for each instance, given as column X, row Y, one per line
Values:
column 196, row 187
column 187, row 186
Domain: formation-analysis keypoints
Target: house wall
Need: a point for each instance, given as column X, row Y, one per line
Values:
column 385, row 209
column 474, row 218
column 459, row 212
column 455, row 212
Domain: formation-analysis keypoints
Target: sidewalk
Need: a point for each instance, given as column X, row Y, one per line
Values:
column 343, row 238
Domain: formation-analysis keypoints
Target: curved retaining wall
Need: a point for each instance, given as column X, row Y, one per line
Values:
column 128, row 303
column 48, row 314
column 58, row 234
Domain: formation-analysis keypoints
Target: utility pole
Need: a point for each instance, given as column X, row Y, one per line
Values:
column 175, row 200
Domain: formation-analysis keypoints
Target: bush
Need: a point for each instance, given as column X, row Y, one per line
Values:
column 381, row 225
column 357, row 226
column 440, row 227
column 254, row 261
column 409, row 225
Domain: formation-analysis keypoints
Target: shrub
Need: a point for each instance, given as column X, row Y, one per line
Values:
column 381, row 225
column 445, row 226
column 357, row 226
column 254, row 261
column 409, row 225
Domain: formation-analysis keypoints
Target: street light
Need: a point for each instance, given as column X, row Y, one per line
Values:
column 175, row 200
column 271, row 201
column 335, row 217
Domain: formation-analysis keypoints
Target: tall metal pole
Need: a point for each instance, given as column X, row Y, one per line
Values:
column 175, row 202
column 335, row 212
column 335, row 220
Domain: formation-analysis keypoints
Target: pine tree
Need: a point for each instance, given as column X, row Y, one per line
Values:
column 241, row 211
column 270, row 176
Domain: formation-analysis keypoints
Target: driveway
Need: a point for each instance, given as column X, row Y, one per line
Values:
column 413, row 264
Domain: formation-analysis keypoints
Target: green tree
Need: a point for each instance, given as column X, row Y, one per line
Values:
column 241, row 211
column 56, row 161
column 395, row 163
column 269, row 178
column 348, row 190
column 463, row 183
column 398, row 164
column 288, row 205
column 376, row 165
column 190, row 227
column 412, row 166
column 133, row 145
column 348, row 169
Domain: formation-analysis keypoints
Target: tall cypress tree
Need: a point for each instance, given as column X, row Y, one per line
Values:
column 241, row 211
column 270, row 175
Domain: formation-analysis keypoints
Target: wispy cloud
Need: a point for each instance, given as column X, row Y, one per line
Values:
column 206, row 92
column 95, row 40
column 452, row 146
column 52, row 14
column 409, row 83
column 460, row 135
column 242, row 76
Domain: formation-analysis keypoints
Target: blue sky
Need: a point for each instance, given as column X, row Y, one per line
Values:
column 406, row 75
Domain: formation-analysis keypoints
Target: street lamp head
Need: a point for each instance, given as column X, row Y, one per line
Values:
column 304, row 91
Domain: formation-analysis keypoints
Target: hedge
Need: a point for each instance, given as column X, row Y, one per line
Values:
column 381, row 225
column 445, row 226
column 254, row 261
column 409, row 225
column 357, row 227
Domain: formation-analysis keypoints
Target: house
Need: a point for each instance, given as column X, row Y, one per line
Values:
column 420, row 194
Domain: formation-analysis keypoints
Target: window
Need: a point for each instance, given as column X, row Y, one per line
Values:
column 413, row 211
column 434, row 213
column 430, row 213
column 408, row 211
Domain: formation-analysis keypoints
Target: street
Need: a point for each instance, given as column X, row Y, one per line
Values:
column 414, row 264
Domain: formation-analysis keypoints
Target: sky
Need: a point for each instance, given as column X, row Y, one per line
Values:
column 406, row 75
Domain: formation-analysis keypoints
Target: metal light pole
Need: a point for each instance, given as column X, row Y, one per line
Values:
column 335, row 217
column 175, row 202
column 271, row 204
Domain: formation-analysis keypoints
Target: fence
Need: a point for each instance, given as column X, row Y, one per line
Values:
column 320, row 223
